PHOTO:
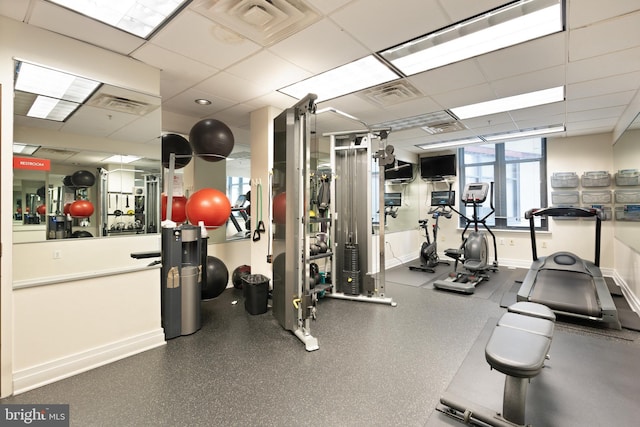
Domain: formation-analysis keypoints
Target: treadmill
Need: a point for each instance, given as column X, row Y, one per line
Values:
column 566, row 283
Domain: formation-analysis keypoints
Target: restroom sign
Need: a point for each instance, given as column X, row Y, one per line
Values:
column 31, row 163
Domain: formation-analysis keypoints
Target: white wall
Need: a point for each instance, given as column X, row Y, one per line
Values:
column 22, row 356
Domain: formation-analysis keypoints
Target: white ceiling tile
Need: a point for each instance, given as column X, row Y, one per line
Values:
column 14, row 9
column 450, row 77
column 459, row 10
column 595, row 114
column 538, row 54
column 620, row 33
column 184, row 103
column 620, row 62
column 231, row 87
column 530, row 82
column 63, row 21
column 382, row 24
column 274, row 73
column 195, row 36
column 314, row 48
column 175, row 63
column 584, row 12
column 600, row 101
column 620, row 83
column 464, row 96
column 327, row 6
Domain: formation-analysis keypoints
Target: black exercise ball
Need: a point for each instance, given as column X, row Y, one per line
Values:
column 211, row 140
column 83, row 179
column 81, row 233
column 237, row 275
column 173, row 143
column 217, row 277
column 66, row 181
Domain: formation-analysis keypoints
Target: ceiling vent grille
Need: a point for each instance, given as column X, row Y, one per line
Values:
column 391, row 93
column 55, row 153
column 444, row 127
column 121, row 105
column 435, row 123
column 264, row 21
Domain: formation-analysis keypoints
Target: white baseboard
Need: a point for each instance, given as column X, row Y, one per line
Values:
column 47, row 373
column 631, row 298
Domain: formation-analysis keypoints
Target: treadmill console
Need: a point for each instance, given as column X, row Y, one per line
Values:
column 475, row 192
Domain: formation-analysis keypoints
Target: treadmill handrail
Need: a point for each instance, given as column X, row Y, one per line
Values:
column 564, row 212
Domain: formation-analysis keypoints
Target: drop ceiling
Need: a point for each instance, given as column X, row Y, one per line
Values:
column 223, row 51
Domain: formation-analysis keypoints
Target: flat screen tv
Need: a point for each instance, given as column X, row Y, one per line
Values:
column 443, row 198
column 436, row 167
column 402, row 171
column 393, row 199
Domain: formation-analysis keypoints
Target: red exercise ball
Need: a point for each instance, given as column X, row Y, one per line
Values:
column 42, row 209
column 66, row 208
column 280, row 208
column 178, row 211
column 81, row 209
column 210, row 206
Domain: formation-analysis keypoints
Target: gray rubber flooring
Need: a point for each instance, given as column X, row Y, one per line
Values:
column 377, row 365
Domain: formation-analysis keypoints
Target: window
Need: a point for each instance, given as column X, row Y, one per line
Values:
column 237, row 186
column 518, row 171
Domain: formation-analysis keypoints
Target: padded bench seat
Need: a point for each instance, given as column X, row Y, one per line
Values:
column 516, row 352
column 534, row 325
column 532, row 309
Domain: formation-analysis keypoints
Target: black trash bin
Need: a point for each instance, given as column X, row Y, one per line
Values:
column 256, row 293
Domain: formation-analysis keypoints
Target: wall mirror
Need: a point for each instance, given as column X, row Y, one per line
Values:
column 102, row 146
column 626, row 155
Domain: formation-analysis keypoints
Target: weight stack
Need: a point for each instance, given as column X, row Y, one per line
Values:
column 351, row 270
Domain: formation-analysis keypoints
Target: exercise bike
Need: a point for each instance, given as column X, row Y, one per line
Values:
column 473, row 253
column 429, row 258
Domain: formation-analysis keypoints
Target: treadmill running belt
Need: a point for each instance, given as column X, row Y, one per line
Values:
column 566, row 291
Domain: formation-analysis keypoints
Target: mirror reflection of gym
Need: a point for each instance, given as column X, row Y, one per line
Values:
column 72, row 135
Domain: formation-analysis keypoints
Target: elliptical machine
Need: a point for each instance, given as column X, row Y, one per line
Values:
column 473, row 253
column 440, row 206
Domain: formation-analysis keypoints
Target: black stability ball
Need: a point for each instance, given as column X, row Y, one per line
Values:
column 66, row 181
column 83, row 179
column 173, row 143
column 217, row 277
column 211, row 140
column 237, row 275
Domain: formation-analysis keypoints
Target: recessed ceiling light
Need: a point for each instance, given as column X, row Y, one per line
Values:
column 514, row 23
column 202, row 101
column 138, row 17
column 363, row 73
column 510, row 103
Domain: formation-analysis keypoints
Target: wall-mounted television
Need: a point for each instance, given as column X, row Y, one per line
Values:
column 437, row 167
column 393, row 199
column 398, row 171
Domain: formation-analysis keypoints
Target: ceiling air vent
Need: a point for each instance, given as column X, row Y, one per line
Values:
column 59, row 154
column 391, row 93
column 435, row 122
column 121, row 105
column 263, row 21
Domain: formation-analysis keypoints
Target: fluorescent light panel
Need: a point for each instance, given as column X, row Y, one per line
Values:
column 510, row 25
column 52, row 83
column 348, row 78
column 510, row 103
column 26, row 149
column 493, row 138
column 137, row 17
column 121, row 159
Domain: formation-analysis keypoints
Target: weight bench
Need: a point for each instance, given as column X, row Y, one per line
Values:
column 518, row 348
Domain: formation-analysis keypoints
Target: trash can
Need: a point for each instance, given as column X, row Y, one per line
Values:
column 190, row 310
column 256, row 293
